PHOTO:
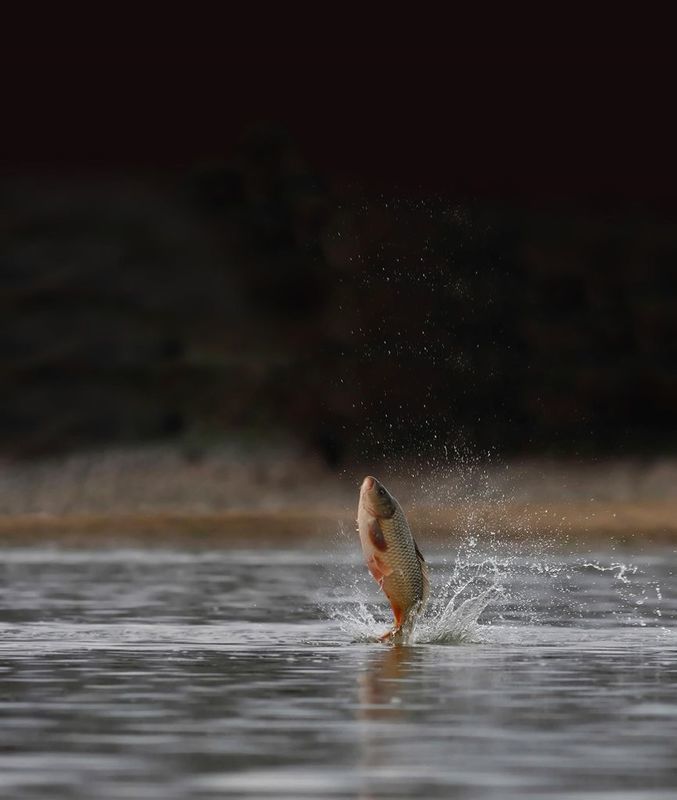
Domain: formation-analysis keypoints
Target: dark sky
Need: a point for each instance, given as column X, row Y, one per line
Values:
column 537, row 128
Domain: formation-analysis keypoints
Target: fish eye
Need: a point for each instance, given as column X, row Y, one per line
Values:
column 381, row 490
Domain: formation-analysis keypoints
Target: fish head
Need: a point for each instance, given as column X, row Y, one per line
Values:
column 376, row 499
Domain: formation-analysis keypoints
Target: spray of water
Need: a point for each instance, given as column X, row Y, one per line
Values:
column 452, row 615
column 500, row 569
column 484, row 579
column 470, row 600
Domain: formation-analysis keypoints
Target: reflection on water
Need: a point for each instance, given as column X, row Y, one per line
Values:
column 380, row 711
column 381, row 681
column 174, row 674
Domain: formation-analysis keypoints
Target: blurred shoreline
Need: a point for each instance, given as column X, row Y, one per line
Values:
column 244, row 496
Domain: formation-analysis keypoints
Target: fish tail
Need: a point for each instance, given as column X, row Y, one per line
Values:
column 388, row 635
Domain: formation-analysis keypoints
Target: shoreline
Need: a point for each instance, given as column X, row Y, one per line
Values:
column 245, row 496
column 619, row 523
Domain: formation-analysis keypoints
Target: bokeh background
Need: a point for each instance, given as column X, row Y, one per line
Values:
column 365, row 262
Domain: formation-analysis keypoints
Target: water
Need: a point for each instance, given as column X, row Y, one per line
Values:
column 175, row 674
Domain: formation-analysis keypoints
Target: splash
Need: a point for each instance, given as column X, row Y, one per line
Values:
column 454, row 613
column 523, row 577
column 451, row 616
column 473, row 598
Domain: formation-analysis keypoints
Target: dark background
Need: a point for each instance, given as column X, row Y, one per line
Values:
column 395, row 253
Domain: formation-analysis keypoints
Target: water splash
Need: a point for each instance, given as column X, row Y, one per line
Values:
column 454, row 612
column 470, row 596
column 522, row 577
column 451, row 616
column 457, row 622
column 620, row 572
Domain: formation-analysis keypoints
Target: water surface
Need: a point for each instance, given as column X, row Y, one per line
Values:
column 174, row 674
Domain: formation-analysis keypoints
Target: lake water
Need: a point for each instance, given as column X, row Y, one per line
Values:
column 177, row 674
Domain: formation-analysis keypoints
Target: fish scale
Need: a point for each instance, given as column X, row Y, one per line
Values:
column 405, row 584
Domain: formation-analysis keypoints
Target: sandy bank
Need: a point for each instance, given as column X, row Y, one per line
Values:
column 245, row 497
column 623, row 524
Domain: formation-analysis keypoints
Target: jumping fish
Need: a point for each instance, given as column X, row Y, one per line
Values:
column 392, row 555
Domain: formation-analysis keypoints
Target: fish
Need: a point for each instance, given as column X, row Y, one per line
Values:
column 391, row 553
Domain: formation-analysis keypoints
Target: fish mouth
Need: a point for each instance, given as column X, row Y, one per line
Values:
column 368, row 484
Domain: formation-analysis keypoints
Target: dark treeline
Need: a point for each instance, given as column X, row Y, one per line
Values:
column 257, row 297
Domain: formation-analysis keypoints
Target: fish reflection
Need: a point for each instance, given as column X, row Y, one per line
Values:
column 383, row 712
column 381, row 683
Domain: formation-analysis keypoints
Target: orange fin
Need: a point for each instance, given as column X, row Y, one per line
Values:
column 376, row 536
column 399, row 621
column 378, row 568
column 398, row 614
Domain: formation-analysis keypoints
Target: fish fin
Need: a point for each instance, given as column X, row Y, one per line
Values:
column 424, row 572
column 376, row 535
column 398, row 614
column 379, row 570
column 400, row 619
column 388, row 635
column 399, row 622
